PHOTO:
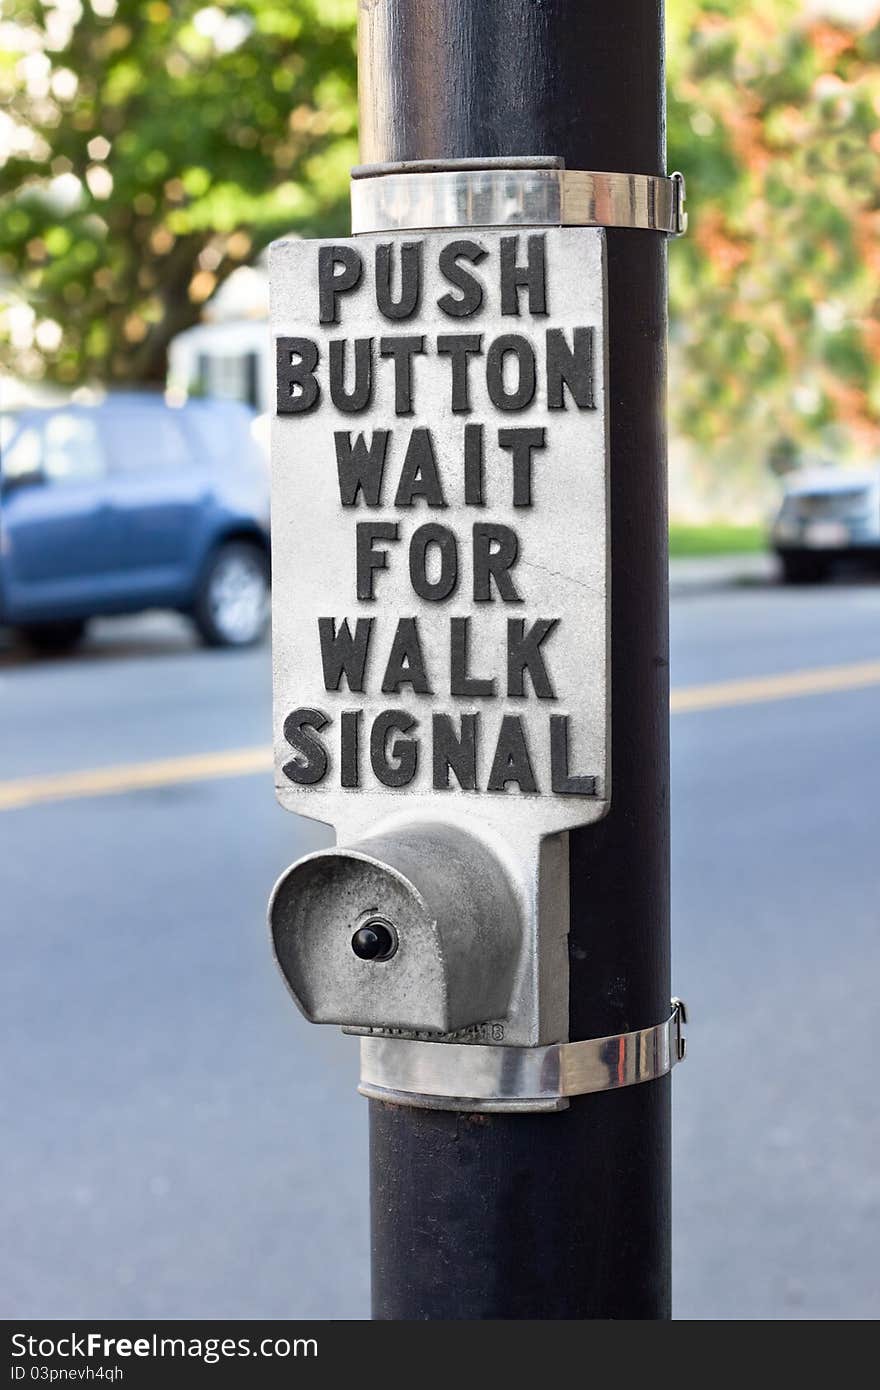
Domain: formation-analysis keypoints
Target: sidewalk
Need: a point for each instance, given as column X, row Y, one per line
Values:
column 703, row 573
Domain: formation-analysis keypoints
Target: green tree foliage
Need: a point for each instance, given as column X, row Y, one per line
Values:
column 152, row 148
column 156, row 144
column 774, row 113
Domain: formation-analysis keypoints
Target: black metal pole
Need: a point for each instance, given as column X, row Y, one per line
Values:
column 567, row 1215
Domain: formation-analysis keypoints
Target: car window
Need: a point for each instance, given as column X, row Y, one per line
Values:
column 230, row 376
column 22, row 457
column 72, row 450
column 145, row 441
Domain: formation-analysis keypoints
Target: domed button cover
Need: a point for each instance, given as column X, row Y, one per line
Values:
column 446, row 900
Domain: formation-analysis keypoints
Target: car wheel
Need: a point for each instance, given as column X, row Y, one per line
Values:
column 54, row 637
column 804, row 569
column 232, row 606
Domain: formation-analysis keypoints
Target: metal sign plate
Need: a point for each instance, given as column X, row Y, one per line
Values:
column 439, row 519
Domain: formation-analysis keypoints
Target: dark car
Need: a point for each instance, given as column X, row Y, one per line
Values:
column 131, row 504
column 828, row 517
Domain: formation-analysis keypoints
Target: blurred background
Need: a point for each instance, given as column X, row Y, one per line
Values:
column 177, row 1142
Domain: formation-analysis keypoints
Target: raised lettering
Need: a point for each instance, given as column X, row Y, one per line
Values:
column 460, row 348
column 532, row 275
column 521, row 442
column 563, row 784
column 440, row 537
column 512, row 762
column 339, row 271
column 454, row 751
column 394, row 767
column 523, row 393
column 297, row 385
column 361, row 466
column 471, row 289
column 570, row 367
column 343, row 654
column 402, row 350
column 406, row 661
column 368, row 559
column 407, row 301
column 419, row 476
column 309, row 763
column 474, row 466
column 494, row 564
column 524, row 654
column 351, row 402
column 349, row 747
column 460, row 682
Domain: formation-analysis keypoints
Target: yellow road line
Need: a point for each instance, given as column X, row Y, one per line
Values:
column 818, row 681
column 241, row 762
column 130, row 777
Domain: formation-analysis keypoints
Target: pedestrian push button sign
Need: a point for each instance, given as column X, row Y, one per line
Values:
column 439, row 521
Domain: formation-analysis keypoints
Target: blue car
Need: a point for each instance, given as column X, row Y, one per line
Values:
column 128, row 505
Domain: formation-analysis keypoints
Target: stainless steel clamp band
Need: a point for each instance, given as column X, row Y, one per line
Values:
column 473, row 1076
column 534, row 191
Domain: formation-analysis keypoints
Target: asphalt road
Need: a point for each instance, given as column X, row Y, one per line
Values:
column 178, row 1143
